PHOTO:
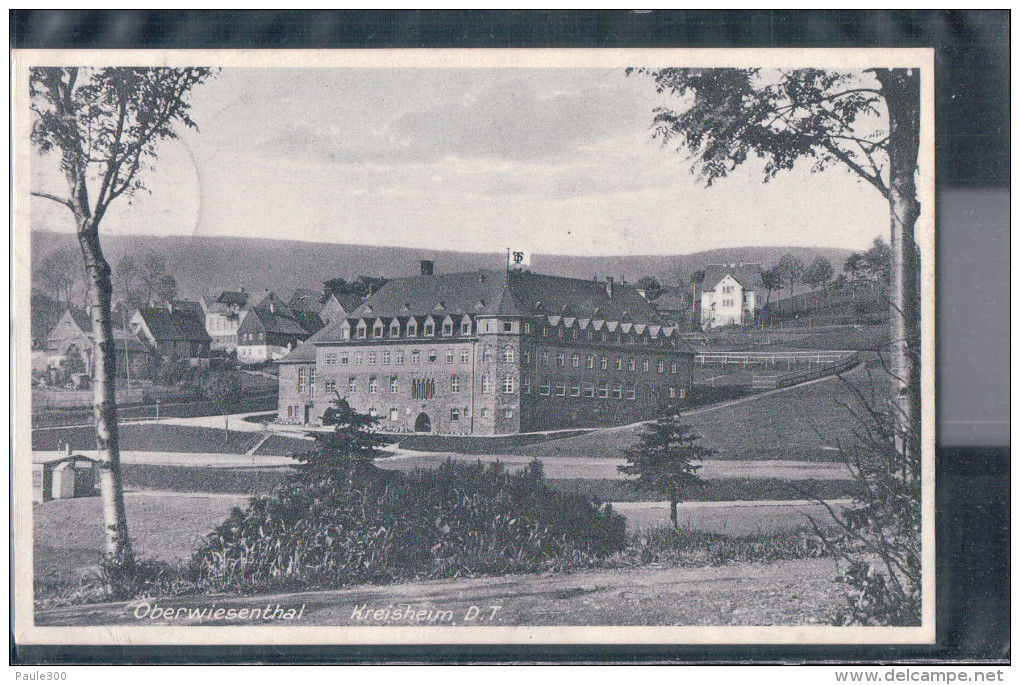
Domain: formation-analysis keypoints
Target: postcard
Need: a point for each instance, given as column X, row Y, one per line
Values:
column 473, row 347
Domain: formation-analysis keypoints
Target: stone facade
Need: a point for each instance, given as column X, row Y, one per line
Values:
column 442, row 369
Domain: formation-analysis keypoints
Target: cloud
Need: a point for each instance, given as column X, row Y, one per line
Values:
column 513, row 120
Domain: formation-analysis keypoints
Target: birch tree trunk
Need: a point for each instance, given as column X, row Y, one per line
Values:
column 902, row 96
column 104, row 400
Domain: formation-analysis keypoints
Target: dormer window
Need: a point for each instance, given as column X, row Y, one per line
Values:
column 465, row 328
column 447, row 328
column 412, row 328
column 395, row 329
column 377, row 330
column 362, row 330
column 430, row 328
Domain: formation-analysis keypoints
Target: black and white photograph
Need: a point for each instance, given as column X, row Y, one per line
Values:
column 495, row 346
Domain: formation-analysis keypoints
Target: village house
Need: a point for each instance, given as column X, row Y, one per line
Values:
column 72, row 335
column 223, row 315
column 305, row 305
column 730, row 294
column 490, row 352
column 175, row 329
column 269, row 331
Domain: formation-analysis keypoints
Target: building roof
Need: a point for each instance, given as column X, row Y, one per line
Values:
column 226, row 302
column 81, row 320
column 670, row 299
column 306, row 300
column 189, row 306
column 180, row 324
column 747, row 275
column 302, row 354
column 279, row 322
column 237, row 298
column 347, row 301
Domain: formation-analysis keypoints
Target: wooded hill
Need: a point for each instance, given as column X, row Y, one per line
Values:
column 206, row 264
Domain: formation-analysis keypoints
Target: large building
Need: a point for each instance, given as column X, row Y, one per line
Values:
column 491, row 353
column 730, row 294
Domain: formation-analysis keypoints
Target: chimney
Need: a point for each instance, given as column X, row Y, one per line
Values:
column 427, row 266
column 609, row 286
column 272, row 307
column 170, row 306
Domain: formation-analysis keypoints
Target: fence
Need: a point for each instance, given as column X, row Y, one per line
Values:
column 770, row 358
column 771, row 382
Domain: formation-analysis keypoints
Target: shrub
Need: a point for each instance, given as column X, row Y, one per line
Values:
column 457, row 520
column 685, row 547
column 879, row 538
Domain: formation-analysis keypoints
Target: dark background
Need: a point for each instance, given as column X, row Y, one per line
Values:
column 972, row 271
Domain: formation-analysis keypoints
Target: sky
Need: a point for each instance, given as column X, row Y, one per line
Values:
column 556, row 161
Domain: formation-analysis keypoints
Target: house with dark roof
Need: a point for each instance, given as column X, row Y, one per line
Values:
column 491, row 352
column 731, row 294
column 269, row 331
column 675, row 305
column 223, row 315
column 72, row 335
column 337, row 306
column 175, row 329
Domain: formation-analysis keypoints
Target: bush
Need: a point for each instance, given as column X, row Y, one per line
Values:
column 685, row 547
column 457, row 520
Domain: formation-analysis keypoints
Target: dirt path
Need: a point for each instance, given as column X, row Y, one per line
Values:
column 785, row 593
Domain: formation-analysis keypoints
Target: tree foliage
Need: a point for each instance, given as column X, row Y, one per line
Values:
column 818, row 272
column 106, row 125
column 347, row 450
column 362, row 287
column 651, row 286
column 665, row 460
column 771, row 279
column 58, row 273
column 792, row 270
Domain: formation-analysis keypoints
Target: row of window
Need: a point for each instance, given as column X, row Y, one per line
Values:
column 411, row 329
column 429, row 329
column 591, row 360
column 456, row 413
column 617, row 337
column 421, row 388
column 431, row 356
column 560, row 388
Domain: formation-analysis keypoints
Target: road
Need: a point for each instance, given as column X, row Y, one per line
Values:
column 783, row 593
column 555, row 467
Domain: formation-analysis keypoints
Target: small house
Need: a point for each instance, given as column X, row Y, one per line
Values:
column 730, row 294
column 71, row 476
column 176, row 329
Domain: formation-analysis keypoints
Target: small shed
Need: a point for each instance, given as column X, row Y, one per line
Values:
column 72, row 476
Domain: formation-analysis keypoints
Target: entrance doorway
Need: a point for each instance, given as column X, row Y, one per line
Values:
column 423, row 424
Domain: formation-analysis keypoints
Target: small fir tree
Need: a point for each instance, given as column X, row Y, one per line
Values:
column 664, row 460
column 346, row 451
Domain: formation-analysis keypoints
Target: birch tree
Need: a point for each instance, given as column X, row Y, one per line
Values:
column 106, row 125
column 867, row 122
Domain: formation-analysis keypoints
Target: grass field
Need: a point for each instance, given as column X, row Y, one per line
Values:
column 167, row 527
column 149, row 437
column 68, row 533
column 737, row 521
column 801, row 424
